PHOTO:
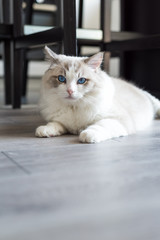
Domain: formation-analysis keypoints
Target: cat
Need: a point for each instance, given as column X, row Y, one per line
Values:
column 78, row 97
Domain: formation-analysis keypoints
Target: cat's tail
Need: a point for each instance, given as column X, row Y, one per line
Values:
column 156, row 104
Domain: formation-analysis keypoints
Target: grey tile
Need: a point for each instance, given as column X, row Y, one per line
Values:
column 62, row 188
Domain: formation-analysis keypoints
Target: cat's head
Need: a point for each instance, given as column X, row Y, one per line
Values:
column 72, row 78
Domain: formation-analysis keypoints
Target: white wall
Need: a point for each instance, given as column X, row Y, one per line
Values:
column 1, row 68
column 92, row 14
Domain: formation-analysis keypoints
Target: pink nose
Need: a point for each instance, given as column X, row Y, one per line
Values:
column 70, row 91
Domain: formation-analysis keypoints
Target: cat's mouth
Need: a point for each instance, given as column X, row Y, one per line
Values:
column 71, row 98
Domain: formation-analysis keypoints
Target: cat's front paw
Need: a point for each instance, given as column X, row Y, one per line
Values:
column 44, row 131
column 90, row 136
column 50, row 130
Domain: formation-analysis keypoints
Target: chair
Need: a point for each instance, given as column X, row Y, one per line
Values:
column 6, row 31
column 131, row 39
column 46, row 13
column 65, row 33
column 142, row 66
column 113, row 43
column 86, row 37
column 104, row 38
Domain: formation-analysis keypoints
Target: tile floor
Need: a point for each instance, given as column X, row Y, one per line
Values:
column 58, row 188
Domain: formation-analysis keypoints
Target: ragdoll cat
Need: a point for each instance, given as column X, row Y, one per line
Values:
column 78, row 97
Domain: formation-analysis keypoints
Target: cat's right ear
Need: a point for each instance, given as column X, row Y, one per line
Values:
column 51, row 56
column 95, row 61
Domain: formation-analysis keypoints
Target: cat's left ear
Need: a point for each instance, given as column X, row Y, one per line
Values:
column 51, row 56
column 95, row 61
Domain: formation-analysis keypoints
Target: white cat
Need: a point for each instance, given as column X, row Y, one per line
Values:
column 78, row 97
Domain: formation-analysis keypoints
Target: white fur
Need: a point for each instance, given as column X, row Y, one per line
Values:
column 103, row 109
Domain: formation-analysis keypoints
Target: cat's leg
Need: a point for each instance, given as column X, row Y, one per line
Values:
column 52, row 129
column 103, row 130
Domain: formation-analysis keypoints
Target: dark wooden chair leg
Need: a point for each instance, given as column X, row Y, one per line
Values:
column 17, row 56
column 69, row 26
column 17, row 69
column 7, row 72
column 80, row 21
column 5, row 5
column 106, row 28
column 25, row 76
column 80, row 17
column 28, row 20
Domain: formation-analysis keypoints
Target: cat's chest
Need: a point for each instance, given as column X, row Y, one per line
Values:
column 75, row 120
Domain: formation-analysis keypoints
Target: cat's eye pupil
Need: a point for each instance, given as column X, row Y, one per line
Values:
column 81, row 81
column 61, row 78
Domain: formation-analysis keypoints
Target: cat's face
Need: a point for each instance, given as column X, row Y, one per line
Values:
column 71, row 78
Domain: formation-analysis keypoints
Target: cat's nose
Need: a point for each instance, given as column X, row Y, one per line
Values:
column 70, row 91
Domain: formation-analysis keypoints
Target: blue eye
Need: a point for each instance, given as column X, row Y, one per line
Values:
column 62, row 79
column 81, row 81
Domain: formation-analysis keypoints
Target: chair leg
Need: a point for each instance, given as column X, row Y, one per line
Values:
column 106, row 28
column 7, row 72
column 25, row 76
column 5, row 17
column 107, row 56
column 69, row 26
column 80, row 22
column 17, row 54
column 17, row 72
column 80, row 16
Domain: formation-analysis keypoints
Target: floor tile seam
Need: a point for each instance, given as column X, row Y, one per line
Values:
column 15, row 163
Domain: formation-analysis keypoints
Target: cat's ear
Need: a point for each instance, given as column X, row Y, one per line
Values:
column 50, row 56
column 95, row 61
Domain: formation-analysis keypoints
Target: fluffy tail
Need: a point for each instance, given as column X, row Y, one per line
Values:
column 156, row 104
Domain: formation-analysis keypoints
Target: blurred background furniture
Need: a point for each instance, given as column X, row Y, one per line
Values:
column 103, row 36
column 142, row 67
column 136, row 44
column 19, row 41
column 46, row 13
column 6, row 32
column 39, row 14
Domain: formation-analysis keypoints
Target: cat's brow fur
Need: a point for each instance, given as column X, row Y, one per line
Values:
column 101, row 108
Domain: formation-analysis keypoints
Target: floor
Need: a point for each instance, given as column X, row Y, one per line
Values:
column 58, row 188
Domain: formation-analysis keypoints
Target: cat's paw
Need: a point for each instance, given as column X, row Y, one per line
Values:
column 50, row 130
column 44, row 131
column 90, row 136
